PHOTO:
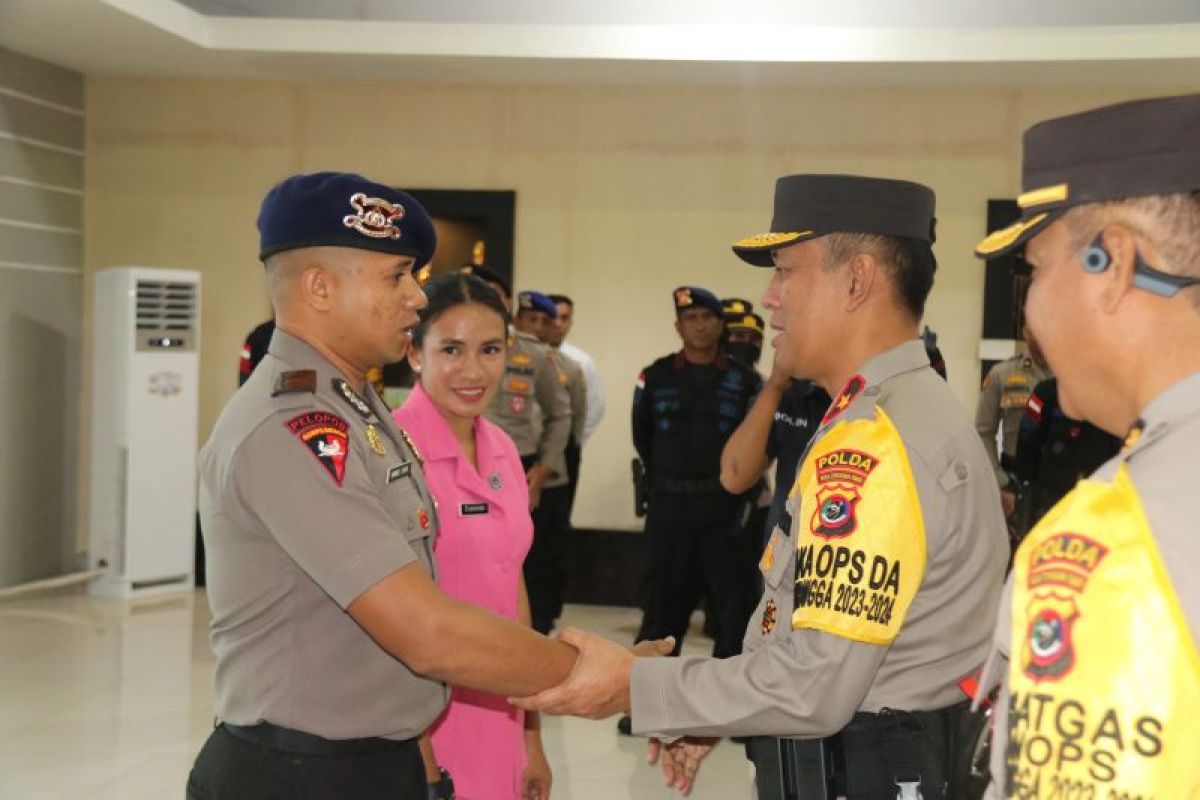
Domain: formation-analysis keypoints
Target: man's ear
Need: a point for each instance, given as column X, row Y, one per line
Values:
column 1121, row 245
column 678, row 327
column 862, row 271
column 318, row 285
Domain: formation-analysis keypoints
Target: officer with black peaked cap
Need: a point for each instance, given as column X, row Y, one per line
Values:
column 1096, row 646
column 892, row 548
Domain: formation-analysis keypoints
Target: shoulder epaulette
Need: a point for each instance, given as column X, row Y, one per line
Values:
column 299, row 381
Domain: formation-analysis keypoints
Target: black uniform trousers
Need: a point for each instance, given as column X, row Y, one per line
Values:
column 696, row 546
column 233, row 768
column 573, row 455
column 545, row 567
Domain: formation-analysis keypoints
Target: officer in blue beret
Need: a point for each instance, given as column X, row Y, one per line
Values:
column 334, row 644
column 685, row 407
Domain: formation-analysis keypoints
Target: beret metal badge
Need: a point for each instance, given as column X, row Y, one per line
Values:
column 375, row 216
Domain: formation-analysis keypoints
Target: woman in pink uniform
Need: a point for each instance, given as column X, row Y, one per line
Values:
column 492, row 750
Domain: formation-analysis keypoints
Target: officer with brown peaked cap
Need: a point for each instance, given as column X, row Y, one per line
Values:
column 893, row 547
column 1096, row 646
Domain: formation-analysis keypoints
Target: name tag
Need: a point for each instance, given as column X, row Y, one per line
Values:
column 472, row 509
column 399, row 471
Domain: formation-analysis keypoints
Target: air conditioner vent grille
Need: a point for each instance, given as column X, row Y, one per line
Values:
column 166, row 305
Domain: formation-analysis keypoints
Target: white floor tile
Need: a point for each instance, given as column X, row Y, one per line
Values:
column 108, row 699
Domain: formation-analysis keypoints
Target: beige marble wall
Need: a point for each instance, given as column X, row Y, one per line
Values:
column 622, row 193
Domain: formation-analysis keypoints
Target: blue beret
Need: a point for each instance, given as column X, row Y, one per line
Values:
column 536, row 301
column 338, row 209
column 691, row 296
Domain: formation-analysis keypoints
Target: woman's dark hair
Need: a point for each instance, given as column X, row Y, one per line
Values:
column 455, row 289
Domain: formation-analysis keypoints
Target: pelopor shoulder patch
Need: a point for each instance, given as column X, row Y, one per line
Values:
column 861, row 534
column 326, row 437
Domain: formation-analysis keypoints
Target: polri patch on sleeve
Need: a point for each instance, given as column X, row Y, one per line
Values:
column 399, row 471
column 298, row 381
column 472, row 509
column 325, row 436
column 861, row 542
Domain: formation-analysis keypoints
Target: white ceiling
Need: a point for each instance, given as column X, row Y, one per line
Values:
column 622, row 42
column 845, row 13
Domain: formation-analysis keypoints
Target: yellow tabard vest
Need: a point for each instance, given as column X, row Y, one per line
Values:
column 860, row 533
column 1104, row 675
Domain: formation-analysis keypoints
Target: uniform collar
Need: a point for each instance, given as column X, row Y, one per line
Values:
column 297, row 352
column 721, row 363
column 906, row 357
column 437, row 439
column 1176, row 404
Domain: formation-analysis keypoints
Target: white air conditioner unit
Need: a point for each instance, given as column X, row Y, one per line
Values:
column 145, row 400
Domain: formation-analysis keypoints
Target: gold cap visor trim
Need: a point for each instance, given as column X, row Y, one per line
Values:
column 1007, row 239
column 1044, row 196
column 757, row 249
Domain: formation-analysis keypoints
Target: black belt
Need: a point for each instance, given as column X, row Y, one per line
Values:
column 699, row 486
column 889, row 747
column 287, row 740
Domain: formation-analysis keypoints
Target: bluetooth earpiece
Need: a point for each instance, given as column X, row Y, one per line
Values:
column 1096, row 258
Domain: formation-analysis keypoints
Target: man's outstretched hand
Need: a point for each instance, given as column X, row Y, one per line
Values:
column 681, row 760
column 598, row 686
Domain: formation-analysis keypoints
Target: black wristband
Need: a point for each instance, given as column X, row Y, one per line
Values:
column 442, row 788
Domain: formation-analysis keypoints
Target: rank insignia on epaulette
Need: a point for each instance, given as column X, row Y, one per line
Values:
column 769, row 617
column 296, row 381
column 853, row 388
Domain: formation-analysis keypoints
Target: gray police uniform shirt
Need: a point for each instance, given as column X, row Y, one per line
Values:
column 574, row 381
column 1160, row 465
column 807, row 683
column 300, row 516
column 532, row 405
column 1002, row 401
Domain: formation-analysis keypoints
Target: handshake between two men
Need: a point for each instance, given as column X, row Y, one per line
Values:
column 598, row 687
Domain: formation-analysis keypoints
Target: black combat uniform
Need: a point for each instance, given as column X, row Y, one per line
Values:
column 683, row 413
column 254, row 349
column 1055, row 451
column 796, row 420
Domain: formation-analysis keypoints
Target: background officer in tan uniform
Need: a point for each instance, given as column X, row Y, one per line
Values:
column 546, row 564
column 1001, row 405
column 532, row 406
column 895, row 550
column 1097, row 647
column 332, row 639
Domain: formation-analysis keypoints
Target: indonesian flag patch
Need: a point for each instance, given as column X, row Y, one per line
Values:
column 325, row 435
column 1034, row 408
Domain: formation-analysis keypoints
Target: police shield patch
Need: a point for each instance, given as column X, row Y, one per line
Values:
column 325, row 436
